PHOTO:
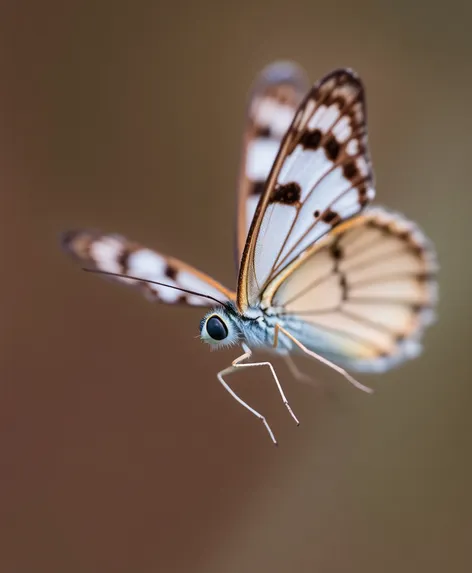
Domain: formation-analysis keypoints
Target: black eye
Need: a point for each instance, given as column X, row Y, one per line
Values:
column 216, row 328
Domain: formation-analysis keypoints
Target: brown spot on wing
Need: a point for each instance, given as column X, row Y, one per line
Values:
column 288, row 194
column 404, row 235
column 171, row 272
column 311, row 139
column 257, row 187
column 350, row 170
column 343, row 284
column 363, row 200
column 332, row 148
column 418, row 250
column 122, row 260
column 331, row 217
column 337, row 251
column 262, row 132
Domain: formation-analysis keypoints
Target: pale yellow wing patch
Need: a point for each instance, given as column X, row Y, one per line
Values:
column 363, row 295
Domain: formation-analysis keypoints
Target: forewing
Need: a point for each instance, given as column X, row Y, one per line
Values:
column 274, row 99
column 363, row 295
column 116, row 254
column 321, row 176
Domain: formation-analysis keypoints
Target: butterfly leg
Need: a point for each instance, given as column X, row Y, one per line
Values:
column 229, row 370
column 237, row 364
column 335, row 367
column 247, row 354
column 295, row 371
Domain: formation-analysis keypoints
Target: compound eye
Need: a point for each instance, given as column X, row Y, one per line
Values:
column 216, row 328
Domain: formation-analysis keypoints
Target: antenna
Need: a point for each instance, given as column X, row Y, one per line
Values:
column 108, row 273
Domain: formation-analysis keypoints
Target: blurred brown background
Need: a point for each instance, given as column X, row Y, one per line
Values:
column 119, row 450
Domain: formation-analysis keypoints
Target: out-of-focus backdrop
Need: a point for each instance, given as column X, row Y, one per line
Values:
column 119, row 450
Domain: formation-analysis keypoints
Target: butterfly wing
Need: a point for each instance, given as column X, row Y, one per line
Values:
column 274, row 99
column 363, row 295
column 116, row 254
column 321, row 176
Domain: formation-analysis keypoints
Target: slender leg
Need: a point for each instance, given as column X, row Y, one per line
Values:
column 236, row 397
column 237, row 364
column 295, row 371
column 335, row 367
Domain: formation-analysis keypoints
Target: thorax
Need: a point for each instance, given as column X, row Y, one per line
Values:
column 257, row 328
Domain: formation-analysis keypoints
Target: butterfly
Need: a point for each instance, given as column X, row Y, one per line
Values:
column 321, row 273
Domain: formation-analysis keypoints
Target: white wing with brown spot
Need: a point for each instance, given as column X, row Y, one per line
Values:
column 321, row 176
column 116, row 254
column 363, row 295
column 274, row 99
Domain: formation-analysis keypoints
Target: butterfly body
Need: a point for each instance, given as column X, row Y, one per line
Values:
column 321, row 272
column 255, row 327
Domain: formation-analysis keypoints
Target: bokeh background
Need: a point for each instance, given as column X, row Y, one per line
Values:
column 119, row 450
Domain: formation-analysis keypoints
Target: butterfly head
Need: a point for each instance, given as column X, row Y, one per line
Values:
column 219, row 328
